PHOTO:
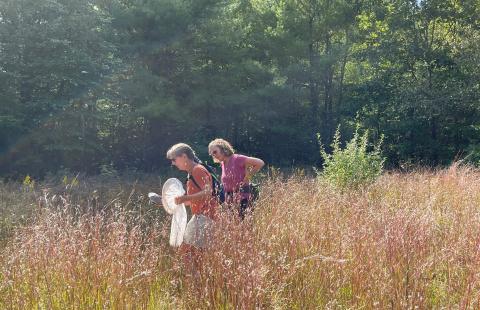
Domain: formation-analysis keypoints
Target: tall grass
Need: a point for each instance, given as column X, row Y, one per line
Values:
column 407, row 241
column 16, row 206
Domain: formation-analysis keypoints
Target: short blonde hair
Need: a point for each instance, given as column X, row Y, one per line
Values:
column 180, row 149
column 224, row 146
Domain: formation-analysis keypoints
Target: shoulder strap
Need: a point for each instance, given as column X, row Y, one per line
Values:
column 211, row 171
column 190, row 177
column 212, row 174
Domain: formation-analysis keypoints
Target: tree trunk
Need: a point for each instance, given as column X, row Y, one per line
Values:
column 313, row 85
column 328, row 90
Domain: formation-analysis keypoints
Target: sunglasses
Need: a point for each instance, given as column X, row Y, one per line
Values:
column 214, row 152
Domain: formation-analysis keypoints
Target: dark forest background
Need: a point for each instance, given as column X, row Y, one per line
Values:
column 93, row 85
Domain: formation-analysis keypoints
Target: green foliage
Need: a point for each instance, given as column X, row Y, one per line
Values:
column 90, row 84
column 437, row 291
column 52, row 56
column 353, row 166
column 473, row 155
column 28, row 181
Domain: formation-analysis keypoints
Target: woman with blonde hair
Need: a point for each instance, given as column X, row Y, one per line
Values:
column 237, row 171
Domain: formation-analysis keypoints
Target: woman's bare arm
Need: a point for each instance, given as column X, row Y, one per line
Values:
column 252, row 166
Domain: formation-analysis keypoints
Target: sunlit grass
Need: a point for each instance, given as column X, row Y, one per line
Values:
column 409, row 240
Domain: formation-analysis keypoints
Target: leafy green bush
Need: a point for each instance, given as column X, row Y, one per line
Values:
column 354, row 166
column 473, row 154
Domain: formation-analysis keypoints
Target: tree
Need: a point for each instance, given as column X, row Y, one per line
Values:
column 431, row 98
column 52, row 53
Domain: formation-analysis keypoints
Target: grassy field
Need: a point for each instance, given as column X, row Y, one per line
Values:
column 411, row 240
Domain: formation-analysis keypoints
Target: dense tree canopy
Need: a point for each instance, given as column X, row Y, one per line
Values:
column 88, row 85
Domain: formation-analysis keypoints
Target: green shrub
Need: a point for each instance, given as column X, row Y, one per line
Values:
column 473, row 154
column 355, row 165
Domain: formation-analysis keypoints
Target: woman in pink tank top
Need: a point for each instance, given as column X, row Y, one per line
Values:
column 237, row 171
